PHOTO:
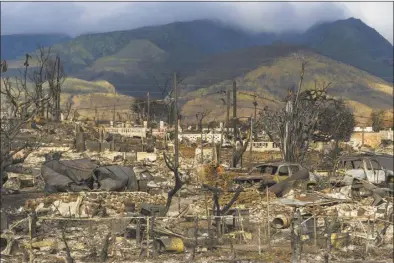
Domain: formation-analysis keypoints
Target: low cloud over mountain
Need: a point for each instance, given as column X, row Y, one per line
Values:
column 74, row 18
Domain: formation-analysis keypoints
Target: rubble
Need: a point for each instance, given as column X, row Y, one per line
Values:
column 87, row 204
column 130, row 224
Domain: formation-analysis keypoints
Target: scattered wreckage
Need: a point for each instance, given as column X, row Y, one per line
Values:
column 97, row 194
column 366, row 177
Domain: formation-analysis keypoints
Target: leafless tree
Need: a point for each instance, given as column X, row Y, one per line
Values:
column 24, row 104
column 20, row 111
column 216, row 192
column 75, row 115
column 299, row 121
column 38, row 75
column 212, row 125
column 240, row 148
column 177, row 178
column 56, row 76
column 68, row 107
column 137, row 107
column 166, row 94
column 377, row 118
column 200, row 116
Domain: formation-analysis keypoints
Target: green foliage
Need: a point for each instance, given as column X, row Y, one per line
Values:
column 336, row 122
column 377, row 118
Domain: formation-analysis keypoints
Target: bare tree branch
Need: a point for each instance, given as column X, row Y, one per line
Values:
column 200, row 116
column 178, row 182
column 310, row 115
column 22, row 104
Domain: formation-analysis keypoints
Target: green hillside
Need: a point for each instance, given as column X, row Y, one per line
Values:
column 208, row 56
column 270, row 78
column 93, row 56
column 74, row 86
column 131, row 58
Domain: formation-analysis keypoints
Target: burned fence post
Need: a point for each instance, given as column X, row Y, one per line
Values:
column 80, row 141
column 210, row 236
column 104, row 249
column 69, row 259
column 32, row 225
column 153, row 235
column 328, row 245
column 296, row 237
column 259, row 233
column 195, row 236
column 138, row 232
column 315, row 230
column 147, row 237
column 268, row 218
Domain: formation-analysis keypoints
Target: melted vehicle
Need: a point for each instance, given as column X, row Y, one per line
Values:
column 364, row 168
column 271, row 173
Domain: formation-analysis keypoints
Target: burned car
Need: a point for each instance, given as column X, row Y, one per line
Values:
column 365, row 168
column 271, row 173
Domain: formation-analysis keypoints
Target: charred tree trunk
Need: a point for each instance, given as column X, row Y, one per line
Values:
column 237, row 154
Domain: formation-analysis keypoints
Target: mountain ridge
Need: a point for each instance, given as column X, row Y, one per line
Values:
column 208, row 54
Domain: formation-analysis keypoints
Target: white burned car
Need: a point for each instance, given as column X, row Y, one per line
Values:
column 362, row 168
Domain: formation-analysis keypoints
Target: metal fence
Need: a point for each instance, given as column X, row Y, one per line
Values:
column 152, row 235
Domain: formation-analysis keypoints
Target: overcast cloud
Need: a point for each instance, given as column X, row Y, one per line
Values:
column 74, row 18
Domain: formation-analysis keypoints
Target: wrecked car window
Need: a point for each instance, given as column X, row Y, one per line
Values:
column 369, row 166
column 284, row 171
column 294, row 168
column 268, row 169
column 354, row 164
column 375, row 165
column 358, row 164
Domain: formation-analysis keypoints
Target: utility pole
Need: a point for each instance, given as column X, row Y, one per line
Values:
column 255, row 108
column 114, row 109
column 58, row 90
column 148, row 118
column 235, row 107
column 234, row 120
column 47, row 109
column 113, row 116
column 220, row 145
column 228, row 112
column 202, row 149
column 96, row 115
column 251, row 140
column 362, row 135
column 214, row 153
column 289, row 110
column 176, row 125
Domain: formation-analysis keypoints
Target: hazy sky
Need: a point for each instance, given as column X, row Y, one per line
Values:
column 74, row 18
